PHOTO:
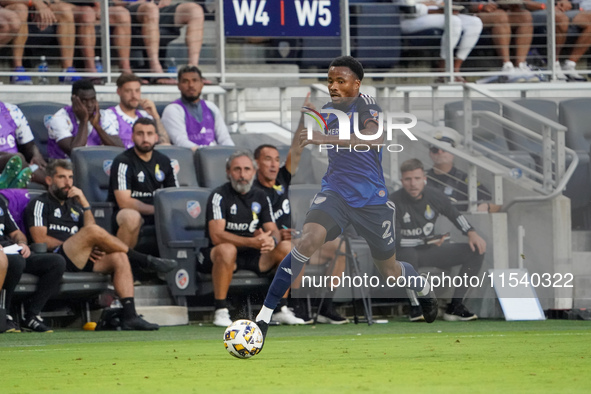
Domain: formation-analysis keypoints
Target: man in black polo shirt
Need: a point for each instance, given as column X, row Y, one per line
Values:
column 62, row 219
column 242, row 235
column 417, row 208
column 49, row 269
column 135, row 175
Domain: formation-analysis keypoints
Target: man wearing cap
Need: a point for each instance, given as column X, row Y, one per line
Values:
column 452, row 181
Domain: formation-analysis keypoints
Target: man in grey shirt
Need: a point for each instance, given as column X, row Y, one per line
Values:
column 190, row 121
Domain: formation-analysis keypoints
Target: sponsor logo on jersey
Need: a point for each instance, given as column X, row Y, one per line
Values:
column 59, row 227
column 193, row 208
column 428, row 228
column 140, row 194
column 107, row 167
column 74, row 215
column 141, row 177
column 181, row 279
column 158, row 173
column 57, row 213
column 233, row 209
column 10, row 141
column 429, row 213
column 236, row 226
column 319, row 200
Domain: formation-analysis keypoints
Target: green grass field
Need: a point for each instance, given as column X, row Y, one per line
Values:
column 483, row 356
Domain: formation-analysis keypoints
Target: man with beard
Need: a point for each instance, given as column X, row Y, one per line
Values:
column 62, row 219
column 124, row 115
column 81, row 124
column 135, row 175
column 190, row 121
column 242, row 235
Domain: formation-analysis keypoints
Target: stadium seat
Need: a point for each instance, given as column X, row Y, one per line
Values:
column 181, row 160
column 36, row 113
column 108, row 104
column 516, row 141
column 210, row 164
column 180, row 230
column 92, row 169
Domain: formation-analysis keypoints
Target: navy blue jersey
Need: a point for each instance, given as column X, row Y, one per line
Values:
column 356, row 176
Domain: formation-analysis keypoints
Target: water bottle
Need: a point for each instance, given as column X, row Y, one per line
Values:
column 515, row 173
column 172, row 69
column 98, row 64
column 43, row 80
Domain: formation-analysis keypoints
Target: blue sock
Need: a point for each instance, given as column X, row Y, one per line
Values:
column 414, row 281
column 288, row 270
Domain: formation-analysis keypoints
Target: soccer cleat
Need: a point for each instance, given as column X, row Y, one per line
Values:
column 264, row 327
column 416, row 314
column 429, row 306
column 161, row 265
column 11, row 170
column 35, row 324
column 20, row 79
column 286, row 316
column 458, row 313
column 11, row 325
column 221, row 317
column 22, row 179
column 330, row 316
column 138, row 324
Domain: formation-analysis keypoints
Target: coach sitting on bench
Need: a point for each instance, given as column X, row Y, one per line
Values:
column 62, row 219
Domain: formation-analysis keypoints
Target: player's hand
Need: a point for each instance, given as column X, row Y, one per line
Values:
column 490, row 7
column 163, row 3
column 149, row 106
column 25, row 251
column 317, row 138
column 286, row 234
column 308, row 104
column 79, row 109
column 476, row 242
column 265, row 242
column 440, row 241
column 77, row 193
column 44, row 16
column 95, row 118
column 39, row 160
column 96, row 255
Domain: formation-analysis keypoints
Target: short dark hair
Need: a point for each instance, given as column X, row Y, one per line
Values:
column 82, row 84
column 145, row 121
column 257, row 151
column 53, row 165
column 411, row 165
column 127, row 77
column 189, row 69
column 351, row 63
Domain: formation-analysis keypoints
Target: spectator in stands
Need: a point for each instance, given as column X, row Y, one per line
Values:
column 135, row 175
column 190, row 121
column 47, row 268
column 274, row 180
column 452, row 181
column 17, row 146
column 44, row 15
column 465, row 30
column 10, row 25
column 417, row 208
column 242, row 235
column 503, row 21
column 565, row 16
column 154, row 16
column 124, row 115
column 81, row 124
column 62, row 219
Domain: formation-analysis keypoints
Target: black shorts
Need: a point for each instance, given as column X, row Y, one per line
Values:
column 70, row 266
column 247, row 259
column 375, row 223
column 166, row 19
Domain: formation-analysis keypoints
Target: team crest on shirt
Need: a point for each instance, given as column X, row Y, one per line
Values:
column 373, row 113
column 141, row 177
column 159, row 174
column 429, row 213
column 382, row 193
column 279, row 189
column 448, row 190
column 256, row 207
column 107, row 167
column 176, row 167
column 74, row 215
column 57, row 213
column 233, row 209
column 194, row 208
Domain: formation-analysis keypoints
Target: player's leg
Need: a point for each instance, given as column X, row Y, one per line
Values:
column 129, row 222
column 223, row 260
column 11, row 270
column 191, row 14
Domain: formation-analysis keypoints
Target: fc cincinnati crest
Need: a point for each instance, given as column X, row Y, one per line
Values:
column 176, row 167
column 429, row 213
column 158, row 173
column 107, row 166
column 182, row 279
column 373, row 113
column 194, row 209
column 256, row 207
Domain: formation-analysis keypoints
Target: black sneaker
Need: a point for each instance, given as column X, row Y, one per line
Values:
column 264, row 327
column 416, row 314
column 138, row 324
column 458, row 313
column 429, row 306
column 11, row 325
column 35, row 324
column 303, row 314
column 331, row 317
column 161, row 265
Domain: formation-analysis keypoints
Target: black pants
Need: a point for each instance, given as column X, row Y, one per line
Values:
column 445, row 256
column 48, row 267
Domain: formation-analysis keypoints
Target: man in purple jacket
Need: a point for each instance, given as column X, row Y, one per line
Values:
column 190, row 121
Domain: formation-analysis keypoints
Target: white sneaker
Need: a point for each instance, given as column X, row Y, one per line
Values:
column 560, row 75
column 221, row 317
column 526, row 73
column 569, row 68
column 508, row 67
column 286, row 316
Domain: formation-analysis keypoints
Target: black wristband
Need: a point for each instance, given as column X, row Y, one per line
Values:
column 86, row 208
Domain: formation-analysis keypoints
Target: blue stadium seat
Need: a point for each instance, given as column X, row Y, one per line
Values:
column 36, row 113
column 210, row 165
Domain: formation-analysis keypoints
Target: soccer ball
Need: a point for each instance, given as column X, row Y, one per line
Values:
column 243, row 339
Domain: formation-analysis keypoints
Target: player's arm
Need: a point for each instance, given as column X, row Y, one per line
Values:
column 222, row 135
column 36, row 218
column 20, row 239
column 32, row 154
column 68, row 143
column 219, row 235
column 173, row 119
column 475, row 241
column 105, row 128
column 274, row 233
column 149, row 106
column 124, row 200
column 39, row 235
column 79, row 196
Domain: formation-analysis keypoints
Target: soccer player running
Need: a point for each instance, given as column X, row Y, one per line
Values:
column 353, row 192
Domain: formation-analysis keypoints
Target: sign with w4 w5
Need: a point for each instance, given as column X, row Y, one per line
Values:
column 282, row 18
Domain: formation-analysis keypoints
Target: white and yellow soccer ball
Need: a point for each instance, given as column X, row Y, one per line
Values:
column 243, row 339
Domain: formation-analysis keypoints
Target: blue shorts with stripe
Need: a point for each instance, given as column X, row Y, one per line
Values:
column 375, row 223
